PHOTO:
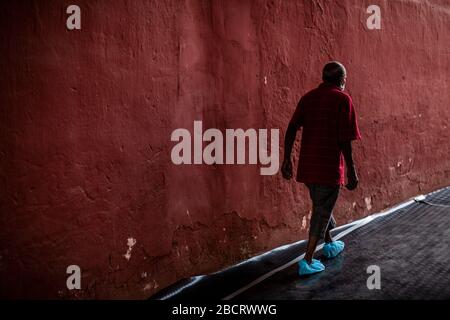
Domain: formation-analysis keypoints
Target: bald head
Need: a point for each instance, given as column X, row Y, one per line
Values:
column 334, row 72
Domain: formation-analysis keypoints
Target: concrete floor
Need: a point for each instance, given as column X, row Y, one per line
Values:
column 411, row 248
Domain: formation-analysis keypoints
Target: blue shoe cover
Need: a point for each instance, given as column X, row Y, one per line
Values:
column 332, row 249
column 304, row 268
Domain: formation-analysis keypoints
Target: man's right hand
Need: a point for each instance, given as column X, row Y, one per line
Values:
column 286, row 169
column 352, row 178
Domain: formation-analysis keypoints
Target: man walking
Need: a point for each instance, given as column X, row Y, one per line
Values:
column 329, row 124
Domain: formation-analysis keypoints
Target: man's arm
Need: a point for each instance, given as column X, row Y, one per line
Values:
column 352, row 177
column 289, row 139
column 291, row 133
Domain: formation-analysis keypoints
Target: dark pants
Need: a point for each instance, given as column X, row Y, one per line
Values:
column 323, row 201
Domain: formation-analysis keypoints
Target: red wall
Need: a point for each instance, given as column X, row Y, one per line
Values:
column 86, row 118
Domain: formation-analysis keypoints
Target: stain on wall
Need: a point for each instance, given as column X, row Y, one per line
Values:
column 86, row 119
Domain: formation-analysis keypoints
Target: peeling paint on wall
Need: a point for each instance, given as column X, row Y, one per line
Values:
column 130, row 243
column 368, row 201
column 304, row 223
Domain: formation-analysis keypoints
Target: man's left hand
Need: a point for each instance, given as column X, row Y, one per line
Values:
column 352, row 179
